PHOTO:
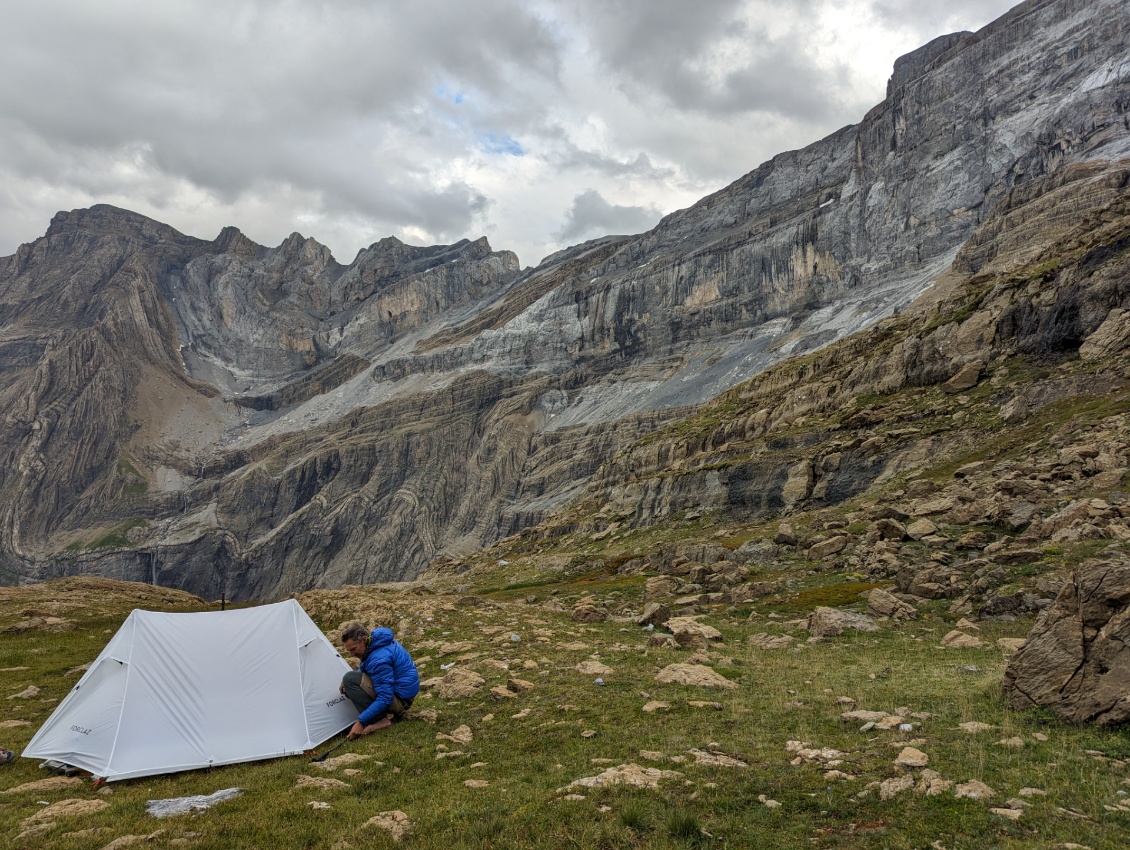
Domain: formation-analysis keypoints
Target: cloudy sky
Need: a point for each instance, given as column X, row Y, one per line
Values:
column 538, row 123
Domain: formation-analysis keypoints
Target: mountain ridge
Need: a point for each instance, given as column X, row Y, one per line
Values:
column 236, row 419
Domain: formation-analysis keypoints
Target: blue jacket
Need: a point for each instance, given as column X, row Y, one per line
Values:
column 393, row 673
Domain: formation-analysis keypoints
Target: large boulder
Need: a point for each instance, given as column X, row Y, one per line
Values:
column 885, row 605
column 1076, row 660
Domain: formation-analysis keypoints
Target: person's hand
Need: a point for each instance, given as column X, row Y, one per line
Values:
column 356, row 732
column 341, row 689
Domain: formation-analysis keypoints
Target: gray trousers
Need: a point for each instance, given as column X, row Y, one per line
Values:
column 359, row 690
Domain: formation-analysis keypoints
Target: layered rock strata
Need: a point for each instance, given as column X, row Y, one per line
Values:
column 237, row 419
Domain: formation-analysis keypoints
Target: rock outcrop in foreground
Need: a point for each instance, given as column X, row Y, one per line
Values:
column 238, row 420
column 1076, row 660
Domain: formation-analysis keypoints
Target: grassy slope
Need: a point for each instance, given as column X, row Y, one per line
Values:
column 782, row 696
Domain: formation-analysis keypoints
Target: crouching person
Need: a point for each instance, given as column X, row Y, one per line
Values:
column 386, row 683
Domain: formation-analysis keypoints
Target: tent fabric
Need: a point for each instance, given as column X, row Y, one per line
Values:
column 175, row 692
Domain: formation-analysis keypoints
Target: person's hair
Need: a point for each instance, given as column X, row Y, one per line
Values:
column 355, row 631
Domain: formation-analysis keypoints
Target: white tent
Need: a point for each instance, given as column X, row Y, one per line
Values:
column 183, row 691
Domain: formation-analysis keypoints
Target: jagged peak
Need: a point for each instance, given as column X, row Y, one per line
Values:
column 232, row 240
column 309, row 248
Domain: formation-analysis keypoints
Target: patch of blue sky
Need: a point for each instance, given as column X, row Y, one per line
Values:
column 455, row 97
column 500, row 143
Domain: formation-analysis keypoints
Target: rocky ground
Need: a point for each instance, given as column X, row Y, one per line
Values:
column 578, row 708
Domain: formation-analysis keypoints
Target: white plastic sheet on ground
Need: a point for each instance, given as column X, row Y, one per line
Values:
column 186, row 805
column 175, row 692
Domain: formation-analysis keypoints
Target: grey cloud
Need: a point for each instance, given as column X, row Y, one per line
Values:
column 324, row 97
column 591, row 215
column 667, row 48
column 639, row 167
column 435, row 119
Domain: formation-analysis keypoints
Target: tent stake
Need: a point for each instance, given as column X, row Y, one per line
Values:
column 322, row 757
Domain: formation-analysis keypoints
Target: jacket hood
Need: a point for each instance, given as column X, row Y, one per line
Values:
column 380, row 638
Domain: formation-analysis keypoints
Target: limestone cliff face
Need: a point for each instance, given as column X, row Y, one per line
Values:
column 226, row 417
column 1046, row 279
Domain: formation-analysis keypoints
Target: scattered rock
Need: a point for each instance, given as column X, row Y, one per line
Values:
column 458, row 683
column 127, row 840
column 973, row 726
column 932, row 784
column 890, row 788
column 939, row 505
column 713, row 759
column 805, row 752
column 454, row 647
column 574, row 646
column 920, row 528
column 69, row 808
column 322, row 783
column 966, row 378
column 459, row 735
column 960, row 640
column 332, row 764
column 785, row 535
column 886, row 528
column 589, row 613
column 974, row 790
column 593, row 668
column 476, row 783
column 654, row 614
column 827, row 622
column 693, row 674
column 1011, row 814
column 911, row 757
column 882, row 604
column 395, row 823
column 829, row 547
column 656, row 705
column 763, row 640
column 863, row 716
column 687, row 631
column 42, row 786
column 30, row 692
column 626, row 774
column 428, row 715
column 659, row 587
